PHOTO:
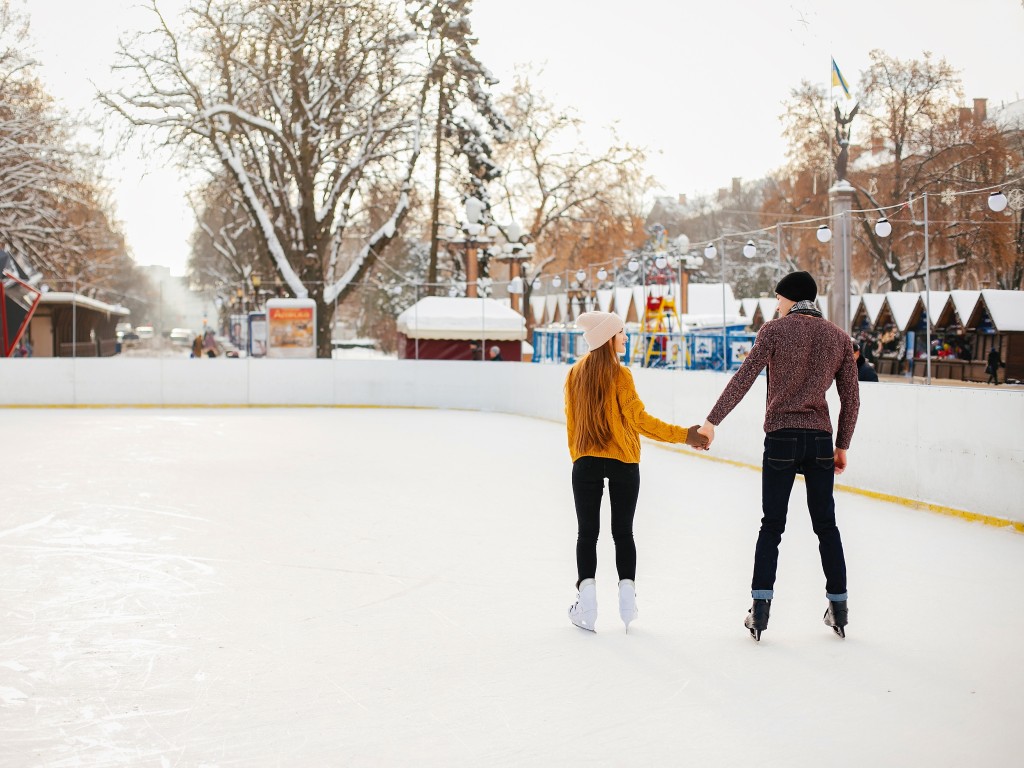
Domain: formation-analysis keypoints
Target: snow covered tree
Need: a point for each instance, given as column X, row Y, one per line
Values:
column 38, row 171
column 54, row 211
column 914, row 140
column 461, row 85
column 579, row 206
column 306, row 106
column 226, row 248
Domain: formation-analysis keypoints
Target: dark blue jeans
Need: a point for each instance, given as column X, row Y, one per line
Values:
column 588, row 474
column 809, row 452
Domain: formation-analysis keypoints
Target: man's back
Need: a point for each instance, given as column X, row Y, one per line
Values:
column 804, row 355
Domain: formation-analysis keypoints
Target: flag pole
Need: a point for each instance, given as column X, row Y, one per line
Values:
column 831, row 86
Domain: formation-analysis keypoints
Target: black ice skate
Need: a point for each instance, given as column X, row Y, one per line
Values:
column 836, row 616
column 757, row 618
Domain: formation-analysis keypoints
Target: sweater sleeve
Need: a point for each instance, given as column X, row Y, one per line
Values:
column 848, row 386
column 636, row 416
column 745, row 377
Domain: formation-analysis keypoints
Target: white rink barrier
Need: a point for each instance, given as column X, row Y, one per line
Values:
column 955, row 449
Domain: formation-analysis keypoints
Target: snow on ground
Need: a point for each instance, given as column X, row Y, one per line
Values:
column 345, row 587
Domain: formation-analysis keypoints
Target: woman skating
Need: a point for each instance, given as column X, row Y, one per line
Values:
column 605, row 418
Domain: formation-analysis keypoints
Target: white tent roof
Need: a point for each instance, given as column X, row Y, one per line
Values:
column 964, row 303
column 748, row 306
column 937, row 300
column 442, row 317
column 768, row 307
column 1006, row 308
column 61, row 297
column 706, row 299
column 872, row 305
column 902, row 306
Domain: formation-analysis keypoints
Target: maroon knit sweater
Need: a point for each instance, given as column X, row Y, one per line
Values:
column 804, row 354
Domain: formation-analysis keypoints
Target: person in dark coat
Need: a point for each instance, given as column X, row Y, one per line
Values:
column 995, row 362
column 865, row 371
column 495, row 354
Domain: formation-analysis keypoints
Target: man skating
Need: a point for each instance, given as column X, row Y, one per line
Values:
column 804, row 354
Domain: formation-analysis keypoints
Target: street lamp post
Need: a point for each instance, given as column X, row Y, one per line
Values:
column 471, row 234
column 710, row 252
column 516, row 251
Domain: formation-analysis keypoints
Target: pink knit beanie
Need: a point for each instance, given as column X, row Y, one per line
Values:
column 599, row 327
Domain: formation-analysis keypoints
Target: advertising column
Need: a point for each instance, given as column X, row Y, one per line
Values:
column 291, row 328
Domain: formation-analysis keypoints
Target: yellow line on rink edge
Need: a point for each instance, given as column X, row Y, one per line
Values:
column 974, row 517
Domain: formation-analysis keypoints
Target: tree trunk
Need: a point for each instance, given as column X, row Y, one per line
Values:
column 324, row 322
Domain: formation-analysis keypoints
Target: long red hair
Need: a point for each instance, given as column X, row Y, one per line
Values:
column 588, row 389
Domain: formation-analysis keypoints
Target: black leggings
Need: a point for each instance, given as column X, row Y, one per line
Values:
column 588, row 474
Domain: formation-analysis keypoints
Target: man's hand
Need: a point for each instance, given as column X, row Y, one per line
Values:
column 708, row 430
column 839, row 458
column 696, row 439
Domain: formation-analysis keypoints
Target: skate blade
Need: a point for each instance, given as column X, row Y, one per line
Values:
column 756, row 635
column 581, row 626
column 841, row 631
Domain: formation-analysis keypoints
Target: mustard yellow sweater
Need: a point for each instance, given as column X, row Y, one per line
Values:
column 628, row 420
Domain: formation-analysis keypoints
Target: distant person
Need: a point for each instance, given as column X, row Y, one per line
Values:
column 604, row 419
column 995, row 362
column 197, row 346
column 865, row 371
column 495, row 354
column 210, row 344
column 804, row 354
column 23, row 349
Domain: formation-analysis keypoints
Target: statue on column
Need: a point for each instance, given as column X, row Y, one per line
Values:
column 843, row 139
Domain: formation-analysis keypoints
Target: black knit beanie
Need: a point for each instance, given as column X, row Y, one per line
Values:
column 797, row 286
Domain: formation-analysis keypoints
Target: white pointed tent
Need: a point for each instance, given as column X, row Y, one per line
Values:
column 964, row 304
column 822, row 302
column 537, row 308
column 937, row 300
column 768, row 308
column 866, row 310
column 623, row 300
column 747, row 308
column 903, row 308
column 1006, row 308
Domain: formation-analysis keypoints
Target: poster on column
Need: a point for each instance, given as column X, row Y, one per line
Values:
column 291, row 328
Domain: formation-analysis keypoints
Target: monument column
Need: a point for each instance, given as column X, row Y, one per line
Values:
column 840, row 198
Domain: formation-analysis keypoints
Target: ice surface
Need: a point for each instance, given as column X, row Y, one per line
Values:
column 314, row 587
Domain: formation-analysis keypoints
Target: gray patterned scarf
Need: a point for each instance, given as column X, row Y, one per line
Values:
column 805, row 308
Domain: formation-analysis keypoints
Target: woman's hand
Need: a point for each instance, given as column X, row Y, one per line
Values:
column 695, row 439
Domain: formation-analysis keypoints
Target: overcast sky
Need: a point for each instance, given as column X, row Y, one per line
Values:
column 700, row 85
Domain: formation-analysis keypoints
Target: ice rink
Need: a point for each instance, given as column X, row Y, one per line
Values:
column 381, row 587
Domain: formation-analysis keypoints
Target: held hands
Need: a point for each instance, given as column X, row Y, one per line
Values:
column 839, row 459
column 695, row 439
column 698, row 437
column 708, row 431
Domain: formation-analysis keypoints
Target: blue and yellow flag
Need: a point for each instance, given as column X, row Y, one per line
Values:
column 837, row 79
